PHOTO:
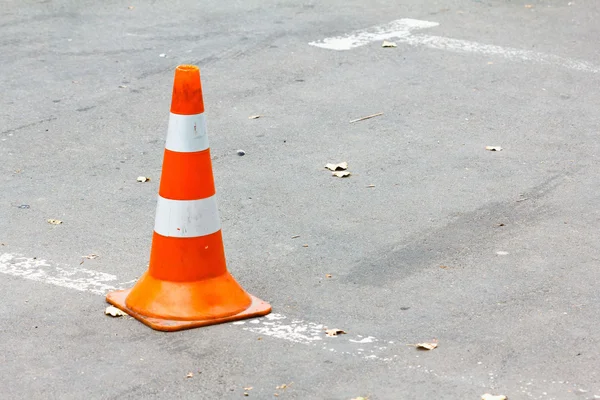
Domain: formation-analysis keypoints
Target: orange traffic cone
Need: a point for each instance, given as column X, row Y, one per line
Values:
column 187, row 284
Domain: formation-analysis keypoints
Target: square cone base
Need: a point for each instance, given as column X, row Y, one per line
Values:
column 257, row 308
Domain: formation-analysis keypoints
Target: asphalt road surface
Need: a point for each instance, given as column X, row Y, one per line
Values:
column 494, row 255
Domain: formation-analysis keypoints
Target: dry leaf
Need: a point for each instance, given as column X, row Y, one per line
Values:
column 284, row 386
column 341, row 174
column 371, row 186
column 334, row 332
column 493, row 148
column 360, row 398
column 426, row 346
column 488, row 396
column 143, row 179
column 248, row 388
column 327, row 275
column 388, row 44
column 367, row 117
column 189, row 375
column 114, row 312
column 528, row 5
column 55, row 221
column 304, row 245
column 337, row 167
column 443, row 266
column 255, row 116
column 91, row 256
column 295, row 236
column 131, row 7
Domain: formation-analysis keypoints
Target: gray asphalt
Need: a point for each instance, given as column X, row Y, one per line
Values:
column 412, row 259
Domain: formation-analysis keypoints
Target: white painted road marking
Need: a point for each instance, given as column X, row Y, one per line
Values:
column 81, row 279
column 395, row 29
column 401, row 30
column 273, row 325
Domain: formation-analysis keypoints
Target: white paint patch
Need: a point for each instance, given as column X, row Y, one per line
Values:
column 312, row 334
column 368, row 339
column 187, row 133
column 395, row 29
column 187, row 218
column 39, row 270
column 402, row 29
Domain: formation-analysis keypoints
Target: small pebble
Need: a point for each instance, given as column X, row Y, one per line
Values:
column 241, row 153
column 24, row 206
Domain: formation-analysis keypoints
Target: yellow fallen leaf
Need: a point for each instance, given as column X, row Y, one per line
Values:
column 388, row 44
column 114, row 312
column 284, row 386
column 488, row 396
column 55, row 221
column 426, row 345
column 341, row 174
column 337, row 167
column 493, row 148
column 334, row 332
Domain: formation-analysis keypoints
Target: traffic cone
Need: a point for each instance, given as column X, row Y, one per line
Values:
column 187, row 284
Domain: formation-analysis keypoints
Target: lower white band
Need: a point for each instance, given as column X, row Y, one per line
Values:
column 187, row 218
column 187, row 133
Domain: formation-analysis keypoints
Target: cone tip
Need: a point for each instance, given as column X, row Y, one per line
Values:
column 187, row 68
column 187, row 91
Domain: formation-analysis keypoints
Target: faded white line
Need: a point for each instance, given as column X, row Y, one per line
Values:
column 273, row 325
column 312, row 334
column 401, row 30
column 397, row 28
column 82, row 279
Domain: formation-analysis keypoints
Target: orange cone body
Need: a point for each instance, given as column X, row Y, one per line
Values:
column 187, row 284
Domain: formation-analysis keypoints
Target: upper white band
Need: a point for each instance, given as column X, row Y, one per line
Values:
column 187, row 133
column 187, row 218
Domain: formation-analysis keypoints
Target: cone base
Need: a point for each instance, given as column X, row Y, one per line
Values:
column 256, row 309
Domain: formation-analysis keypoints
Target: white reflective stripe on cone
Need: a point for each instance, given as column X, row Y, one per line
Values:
column 187, row 133
column 187, row 218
